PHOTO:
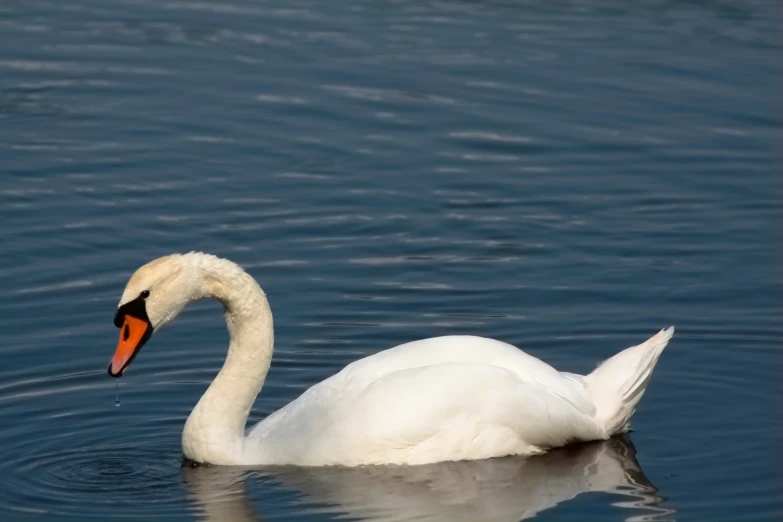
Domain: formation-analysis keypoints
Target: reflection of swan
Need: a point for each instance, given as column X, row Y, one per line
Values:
column 507, row 489
column 440, row 399
column 219, row 492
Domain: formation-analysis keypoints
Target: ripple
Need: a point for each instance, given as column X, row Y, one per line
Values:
column 485, row 136
column 388, row 95
column 68, row 479
column 302, row 175
column 61, row 453
column 280, row 100
column 87, row 468
column 66, row 285
column 44, row 66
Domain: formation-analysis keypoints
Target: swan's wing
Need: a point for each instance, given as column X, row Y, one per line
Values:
column 463, row 349
column 493, row 405
column 450, row 411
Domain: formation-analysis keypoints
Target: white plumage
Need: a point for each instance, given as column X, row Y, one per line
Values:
column 439, row 399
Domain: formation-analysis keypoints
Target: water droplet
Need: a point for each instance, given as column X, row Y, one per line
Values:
column 117, row 397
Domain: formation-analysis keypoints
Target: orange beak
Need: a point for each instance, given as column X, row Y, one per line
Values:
column 133, row 334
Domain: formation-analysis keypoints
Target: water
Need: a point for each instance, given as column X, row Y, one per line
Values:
column 566, row 176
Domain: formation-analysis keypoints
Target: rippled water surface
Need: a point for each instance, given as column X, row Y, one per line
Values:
column 565, row 176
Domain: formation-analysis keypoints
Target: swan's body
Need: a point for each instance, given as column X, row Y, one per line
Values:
column 439, row 399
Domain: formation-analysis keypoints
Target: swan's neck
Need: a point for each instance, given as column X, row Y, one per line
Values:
column 215, row 430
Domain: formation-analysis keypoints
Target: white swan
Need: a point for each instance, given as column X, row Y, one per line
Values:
column 439, row 399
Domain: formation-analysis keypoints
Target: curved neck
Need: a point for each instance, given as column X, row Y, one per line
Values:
column 215, row 429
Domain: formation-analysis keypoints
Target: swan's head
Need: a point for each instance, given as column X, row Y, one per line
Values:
column 154, row 295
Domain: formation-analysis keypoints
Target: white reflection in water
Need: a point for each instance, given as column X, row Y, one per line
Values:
column 506, row 489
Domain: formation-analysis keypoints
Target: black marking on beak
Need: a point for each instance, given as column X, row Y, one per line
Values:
column 136, row 308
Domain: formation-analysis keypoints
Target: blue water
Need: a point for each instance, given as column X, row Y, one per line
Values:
column 566, row 176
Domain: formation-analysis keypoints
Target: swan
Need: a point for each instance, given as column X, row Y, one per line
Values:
column 439, row 399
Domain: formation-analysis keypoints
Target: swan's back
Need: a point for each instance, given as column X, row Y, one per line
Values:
column 466, row 349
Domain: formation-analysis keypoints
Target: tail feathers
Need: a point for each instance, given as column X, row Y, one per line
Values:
column 617, row 385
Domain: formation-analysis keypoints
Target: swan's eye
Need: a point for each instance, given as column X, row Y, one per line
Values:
column 145, row 294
